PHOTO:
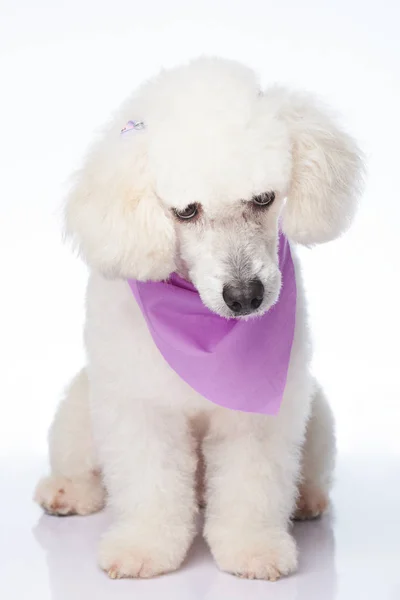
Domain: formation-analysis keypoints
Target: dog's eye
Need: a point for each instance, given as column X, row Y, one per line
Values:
column 264, row 200
column 187, row 213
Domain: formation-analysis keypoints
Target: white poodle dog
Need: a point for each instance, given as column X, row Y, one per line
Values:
column 202, row 186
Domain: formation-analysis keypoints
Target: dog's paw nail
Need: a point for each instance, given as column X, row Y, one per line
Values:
column 113, row 573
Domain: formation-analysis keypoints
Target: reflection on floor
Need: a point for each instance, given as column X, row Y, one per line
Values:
column 351, row 552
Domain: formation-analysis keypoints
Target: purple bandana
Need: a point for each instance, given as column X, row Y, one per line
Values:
column 241, row 365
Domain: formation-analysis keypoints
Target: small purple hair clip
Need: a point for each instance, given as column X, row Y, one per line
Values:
column 133, row 125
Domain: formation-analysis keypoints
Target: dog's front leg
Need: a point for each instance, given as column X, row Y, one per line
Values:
column 149, row 465
column 252, row 470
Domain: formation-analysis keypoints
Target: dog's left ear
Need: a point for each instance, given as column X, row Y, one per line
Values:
column 327, row 171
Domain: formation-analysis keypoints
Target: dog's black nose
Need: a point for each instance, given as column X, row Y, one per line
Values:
column 245, row 298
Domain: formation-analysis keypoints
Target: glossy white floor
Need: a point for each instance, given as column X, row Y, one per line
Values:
column 352, row 553
column 63, row 67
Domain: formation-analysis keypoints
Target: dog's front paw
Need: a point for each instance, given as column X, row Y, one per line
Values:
column 271, row 555
column 124, row 553
column 62, row 496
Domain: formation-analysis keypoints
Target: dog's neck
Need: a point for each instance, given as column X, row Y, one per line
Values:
column 181, row 269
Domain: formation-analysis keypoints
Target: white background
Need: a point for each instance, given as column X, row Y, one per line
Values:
column 64, row 66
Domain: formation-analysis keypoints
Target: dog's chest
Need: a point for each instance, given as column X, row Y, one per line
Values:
column 122, row 353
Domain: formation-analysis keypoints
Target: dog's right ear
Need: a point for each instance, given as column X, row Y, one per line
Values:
column 112, row 215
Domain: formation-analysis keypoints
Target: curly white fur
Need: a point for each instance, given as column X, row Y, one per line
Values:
column 212, row 138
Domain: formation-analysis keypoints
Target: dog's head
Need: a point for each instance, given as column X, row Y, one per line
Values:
column 203, row 188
